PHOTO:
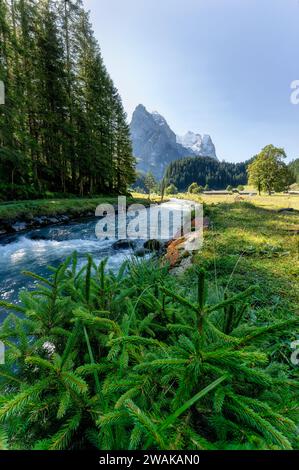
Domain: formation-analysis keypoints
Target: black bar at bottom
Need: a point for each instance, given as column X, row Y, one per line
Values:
column 138, row 459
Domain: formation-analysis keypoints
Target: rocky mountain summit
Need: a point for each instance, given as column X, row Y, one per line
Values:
column 201, row 146
column 155, row 145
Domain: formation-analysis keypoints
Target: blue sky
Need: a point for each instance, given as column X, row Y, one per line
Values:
column 221, row 67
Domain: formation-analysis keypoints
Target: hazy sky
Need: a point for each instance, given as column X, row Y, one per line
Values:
column 221, row 67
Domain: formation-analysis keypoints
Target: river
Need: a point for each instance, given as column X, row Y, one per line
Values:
column 37, row 249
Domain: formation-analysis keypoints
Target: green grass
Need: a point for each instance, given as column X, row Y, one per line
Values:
column 274, row 202
column 253, row 245
column 251, row 242
column 26, row 210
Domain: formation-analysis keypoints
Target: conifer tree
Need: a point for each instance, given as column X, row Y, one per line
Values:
column 137, row 361
column 63, row 127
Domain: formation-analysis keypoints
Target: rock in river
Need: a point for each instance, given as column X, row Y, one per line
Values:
column 154, row 245
column 123, row 245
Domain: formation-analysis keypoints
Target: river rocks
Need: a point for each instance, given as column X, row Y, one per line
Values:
column 30, row 222
column 42, row 221
column 177, row 256
column 53, row 220
column 19, row 226
column 175, row 251
column 64, row 218
column 153, row 245
column 123, row 245
column 141, row 252
column 185, row 264
column 38, row 238
column 5, row 228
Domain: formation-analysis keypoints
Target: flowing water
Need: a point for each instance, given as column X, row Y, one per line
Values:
column 37, row 249
column 34, row 251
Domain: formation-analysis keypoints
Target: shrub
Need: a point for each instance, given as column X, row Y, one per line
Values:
column 16, row 192
column 194, row 188
column 10, row 192
column 132, row 361
column 171, row 189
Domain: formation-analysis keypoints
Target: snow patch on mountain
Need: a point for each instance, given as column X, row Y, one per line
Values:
column 200, row 145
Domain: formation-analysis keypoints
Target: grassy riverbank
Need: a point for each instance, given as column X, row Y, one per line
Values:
column 274, row 202
column 255, row 245
column 26, row 210
column 254, row 241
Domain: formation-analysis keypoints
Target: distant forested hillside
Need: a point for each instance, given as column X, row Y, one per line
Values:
column 294, row 167
column 205, row 171
column 63, row 127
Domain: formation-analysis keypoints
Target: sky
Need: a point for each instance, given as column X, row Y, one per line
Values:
column 220, row 67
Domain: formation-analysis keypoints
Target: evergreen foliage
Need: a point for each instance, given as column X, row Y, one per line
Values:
column 63, row 127
column 294, row 169
column 206, row 172
column 132, row 361
column 150, row 183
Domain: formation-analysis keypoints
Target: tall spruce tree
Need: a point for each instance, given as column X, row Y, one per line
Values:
column 63, row 127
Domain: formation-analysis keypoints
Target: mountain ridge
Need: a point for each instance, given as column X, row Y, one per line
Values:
column 155, row 144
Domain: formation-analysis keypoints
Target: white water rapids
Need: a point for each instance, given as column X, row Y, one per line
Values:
column 37, row 249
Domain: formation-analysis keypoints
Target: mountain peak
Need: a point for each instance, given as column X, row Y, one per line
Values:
column 155, row 145
column 140, row 106
column 160, row 120
column 140, row 109
column 201, row 146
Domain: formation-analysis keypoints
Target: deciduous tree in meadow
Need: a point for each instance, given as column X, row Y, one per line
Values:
column 268, row 172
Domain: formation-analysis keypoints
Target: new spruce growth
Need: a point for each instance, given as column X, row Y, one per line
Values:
column 129, row 361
